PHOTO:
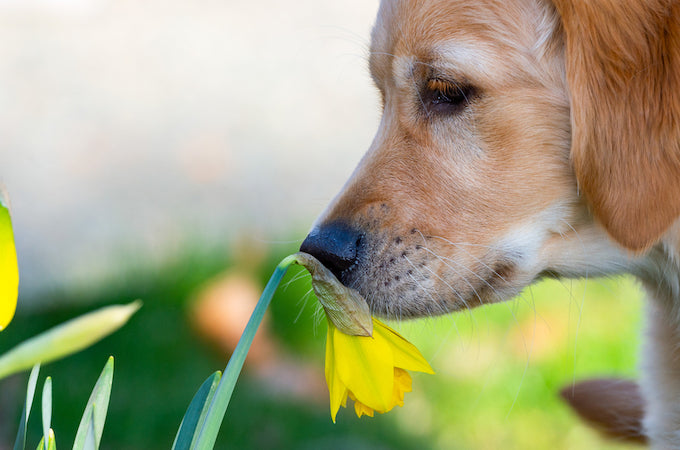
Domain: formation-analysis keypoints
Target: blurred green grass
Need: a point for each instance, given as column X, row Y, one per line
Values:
column 499, row 368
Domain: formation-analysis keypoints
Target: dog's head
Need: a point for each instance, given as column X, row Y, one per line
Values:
column 498, row 160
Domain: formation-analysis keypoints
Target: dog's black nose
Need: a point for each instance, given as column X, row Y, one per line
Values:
column 335, row 245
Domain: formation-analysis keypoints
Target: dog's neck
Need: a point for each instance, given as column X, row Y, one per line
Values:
column 660, row 273
column 661, row 351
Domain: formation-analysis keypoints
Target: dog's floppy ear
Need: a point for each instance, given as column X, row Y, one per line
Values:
column 623, row 71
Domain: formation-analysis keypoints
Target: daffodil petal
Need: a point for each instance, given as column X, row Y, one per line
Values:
column 362, row 409
column 402, row 384
column 365, row 367
column 336, row 389
column 405, row 354
column 343, row 403
column 9, row 271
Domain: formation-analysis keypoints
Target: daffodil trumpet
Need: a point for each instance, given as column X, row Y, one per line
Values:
column 371, row 370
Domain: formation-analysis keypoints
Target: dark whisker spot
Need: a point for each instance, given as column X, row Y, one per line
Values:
column 503, row 270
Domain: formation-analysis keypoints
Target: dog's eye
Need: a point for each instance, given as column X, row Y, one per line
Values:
column 446, row 97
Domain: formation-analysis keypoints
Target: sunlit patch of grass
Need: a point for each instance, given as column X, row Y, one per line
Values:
column 500, row 367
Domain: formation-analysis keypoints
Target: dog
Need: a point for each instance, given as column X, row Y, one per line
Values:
column 523, row 139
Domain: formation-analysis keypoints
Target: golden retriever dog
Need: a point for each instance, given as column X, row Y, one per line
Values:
column 523, row 139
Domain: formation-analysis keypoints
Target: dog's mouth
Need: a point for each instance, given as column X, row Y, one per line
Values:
column 413, row 274
column 407, row 281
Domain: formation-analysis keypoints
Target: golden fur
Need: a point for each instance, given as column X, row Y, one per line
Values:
column 523, row 139
column 623, row 66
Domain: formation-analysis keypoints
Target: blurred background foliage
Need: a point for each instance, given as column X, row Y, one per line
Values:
column 499, row 368
column 175, row 151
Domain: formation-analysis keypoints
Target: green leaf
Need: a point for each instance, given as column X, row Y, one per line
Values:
column 195, row 415
column 20, row 443
column 47, row 411
column 207, row 435
column 51, row 442
column 100, row 397
column 67, row 338
column 91, row 442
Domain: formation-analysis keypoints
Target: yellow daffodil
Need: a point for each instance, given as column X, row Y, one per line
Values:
column 9, row 271
column 365, row 359
column 371, row 370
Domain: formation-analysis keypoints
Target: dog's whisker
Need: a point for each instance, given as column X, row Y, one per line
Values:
column 494, row 272
column 303, row 300
column 458, row 244
column 454, row 290
column 348, row 36
column 299, row 276
column 439, row 305
column 583, row 298
column 477, row 259
column 422, row 288
column 486, row 282
column 529, row 351
column 491, row 287
column 444, row 261
column 426, row 110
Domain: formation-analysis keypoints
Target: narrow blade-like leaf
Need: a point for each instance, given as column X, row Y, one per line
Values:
column 100, row 396
column 47, row 411
column 207, row 435
column 67, row 338
column 195, row 415
column 20, row 443
column 51, row 441
column 90, row 441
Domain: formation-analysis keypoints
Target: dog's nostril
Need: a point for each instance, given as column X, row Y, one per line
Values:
column 335, row 245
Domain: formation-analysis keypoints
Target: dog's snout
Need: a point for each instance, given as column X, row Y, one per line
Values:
column 335, row 245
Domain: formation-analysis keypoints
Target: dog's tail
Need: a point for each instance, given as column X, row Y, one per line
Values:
column 614, row 407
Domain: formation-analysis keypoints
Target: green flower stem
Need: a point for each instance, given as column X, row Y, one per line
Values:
column 219, row 403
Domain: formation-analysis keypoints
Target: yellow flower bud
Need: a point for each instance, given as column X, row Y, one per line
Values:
column 9, row 271
column 344, row 306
